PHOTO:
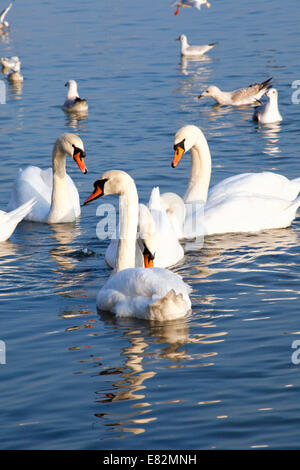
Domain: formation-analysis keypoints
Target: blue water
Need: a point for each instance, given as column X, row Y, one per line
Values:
column 223, row 378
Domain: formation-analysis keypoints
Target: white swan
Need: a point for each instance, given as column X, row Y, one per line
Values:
column 9, row 220
column 56, row 194
column 243, row 96
column 73, row 103
column 246, row 202
column 193, row 51
column 152, row 293
column 154, row 221
column 269, row 112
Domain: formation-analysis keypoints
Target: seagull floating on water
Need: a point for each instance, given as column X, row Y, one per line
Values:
column 8, row 63
column 190, row 3
column 193, row 51
column 15, row 73
column 73, row 103
column 240, row 97
column 269, row 112
column 3, row 23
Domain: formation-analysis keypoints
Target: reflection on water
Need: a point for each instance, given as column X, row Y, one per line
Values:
column 4, row 36
column 238, row 248
column 76, row 120
column 128, row 381
column 66, row 279
column 16, row 89
column 270, row 132
column 192, row 66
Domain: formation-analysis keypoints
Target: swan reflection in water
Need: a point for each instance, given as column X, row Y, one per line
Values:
column 162, row 343
column 231, row 250
column 68, row 280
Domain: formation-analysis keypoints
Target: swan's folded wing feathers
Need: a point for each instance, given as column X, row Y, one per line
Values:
column 132, row 291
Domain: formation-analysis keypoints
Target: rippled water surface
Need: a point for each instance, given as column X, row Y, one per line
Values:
column 223, row 378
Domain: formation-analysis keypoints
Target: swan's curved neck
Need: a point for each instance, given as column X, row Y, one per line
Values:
column 61, row 209
column 200, row 171
column 129, row 210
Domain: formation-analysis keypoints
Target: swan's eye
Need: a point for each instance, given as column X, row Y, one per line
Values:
column 79, row 151
column 99, row 185
column 179, row 145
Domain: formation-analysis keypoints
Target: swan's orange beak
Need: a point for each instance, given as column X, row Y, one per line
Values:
column 148, row 261
column 79, row 159
column 176, row 12
column 94, row 195
column 177, row 156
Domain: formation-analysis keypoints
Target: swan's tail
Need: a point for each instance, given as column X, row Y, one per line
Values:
column 169, row 307
column 18, row 214
column 9, row 220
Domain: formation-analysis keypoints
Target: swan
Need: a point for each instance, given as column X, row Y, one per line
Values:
column 190, row 3
column 247, row 202
column 56, row 194
column 9, row 220
column 73, row 103
column 152, row 293
column 153, row 220
column 268, row 113
column 243, row 96
column 193, row 51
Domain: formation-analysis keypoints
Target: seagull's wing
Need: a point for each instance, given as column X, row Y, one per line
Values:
column 4, row 12
column 251, row 91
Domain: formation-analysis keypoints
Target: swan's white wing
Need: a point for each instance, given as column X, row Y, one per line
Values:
column 168, row 251
column 248, row 213
column 32, row 182
column 145, row 293
column 9, row 220
column 264, row 183
column 176, row 211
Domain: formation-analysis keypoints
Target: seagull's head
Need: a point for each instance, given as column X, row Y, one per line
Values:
column 211, row 91
column 272, row 93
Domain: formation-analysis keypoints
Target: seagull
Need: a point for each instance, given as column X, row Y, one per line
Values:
column 15, row 73
column 73, row 103
column 8, row 63
column 193, row 51
column 190, row 3
column 269, row 112
column 4, row 24
column 240, row 97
